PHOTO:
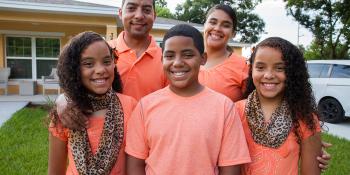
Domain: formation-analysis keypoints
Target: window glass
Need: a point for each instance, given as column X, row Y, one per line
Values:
column 315, row 69
column 340, row 71
column 20, row 68
column 44, row 67
column 47, row 47
column 18, row 47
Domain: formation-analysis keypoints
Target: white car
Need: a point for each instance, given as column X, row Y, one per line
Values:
column 330, row 81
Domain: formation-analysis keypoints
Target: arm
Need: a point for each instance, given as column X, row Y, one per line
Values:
column 135, row 166
column 230, row 170
column 310, row 148
column 57, row 156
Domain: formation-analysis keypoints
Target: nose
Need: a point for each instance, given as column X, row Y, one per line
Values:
column 269, row 74
column 100, row 69
column 178, row 62
column 139, row 14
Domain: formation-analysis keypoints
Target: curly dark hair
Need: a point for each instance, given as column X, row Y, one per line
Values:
column 68, row 69
column 298, row 92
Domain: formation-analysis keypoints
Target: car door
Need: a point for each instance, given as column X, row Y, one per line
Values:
column 338, row 86
column 319, row 77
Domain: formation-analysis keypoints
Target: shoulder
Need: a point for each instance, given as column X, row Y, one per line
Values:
column 125, row 99
column 156, row 95
column 306, row 131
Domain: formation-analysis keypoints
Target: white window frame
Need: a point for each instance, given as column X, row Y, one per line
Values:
column 33, row 58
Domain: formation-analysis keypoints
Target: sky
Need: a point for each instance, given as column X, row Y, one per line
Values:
column 277, row 23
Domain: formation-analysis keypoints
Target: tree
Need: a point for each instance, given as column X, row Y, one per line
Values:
column 162, row 10
column 249, row 25
column 329, row 21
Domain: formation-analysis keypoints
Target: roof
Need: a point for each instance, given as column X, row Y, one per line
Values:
column 59, row 6
column 346, row 62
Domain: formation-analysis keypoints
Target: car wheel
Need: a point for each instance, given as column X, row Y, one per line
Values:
column 331, row 110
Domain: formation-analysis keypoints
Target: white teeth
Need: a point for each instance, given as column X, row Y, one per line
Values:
column 214, row 36
column 179, row 73
column 99, row 81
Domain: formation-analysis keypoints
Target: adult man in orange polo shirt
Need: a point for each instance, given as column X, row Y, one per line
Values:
column 139, row 57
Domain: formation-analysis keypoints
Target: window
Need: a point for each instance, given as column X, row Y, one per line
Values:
column 341, row 71
column 317, row 70
column 31, row 57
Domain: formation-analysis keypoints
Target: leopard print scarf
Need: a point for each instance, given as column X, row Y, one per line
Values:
column 110, row 142
column 274, row 133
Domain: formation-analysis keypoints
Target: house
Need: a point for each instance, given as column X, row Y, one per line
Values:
column 32, row 33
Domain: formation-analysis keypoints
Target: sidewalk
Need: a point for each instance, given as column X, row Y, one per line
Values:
column 9, row 104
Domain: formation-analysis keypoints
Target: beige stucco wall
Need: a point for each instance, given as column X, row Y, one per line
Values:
column 24, row 23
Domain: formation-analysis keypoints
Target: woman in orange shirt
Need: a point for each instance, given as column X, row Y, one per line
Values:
column 279, row 116
column 225, row 71
column 92, row 87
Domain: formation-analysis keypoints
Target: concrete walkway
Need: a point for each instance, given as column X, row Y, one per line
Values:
column 9, row 104
column 7, row 109
column 340, row 129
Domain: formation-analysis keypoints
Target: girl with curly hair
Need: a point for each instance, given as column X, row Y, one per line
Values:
column 279, row 116
column 92, row 88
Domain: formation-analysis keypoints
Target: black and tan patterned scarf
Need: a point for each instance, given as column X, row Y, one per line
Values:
column 274, row 133
column 109, row 144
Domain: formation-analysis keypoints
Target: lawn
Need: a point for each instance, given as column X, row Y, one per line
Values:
column 24, row 146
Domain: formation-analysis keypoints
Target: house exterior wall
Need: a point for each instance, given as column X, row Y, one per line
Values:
column 44, row 24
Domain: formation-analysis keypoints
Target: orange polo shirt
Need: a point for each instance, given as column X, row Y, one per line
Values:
column 143, row 75
column 227, row 78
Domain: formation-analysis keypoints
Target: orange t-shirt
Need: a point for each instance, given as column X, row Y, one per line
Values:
column 269, row 161
column 94, row 134
column 227, row 78
column 186, row 135
column 143, row 75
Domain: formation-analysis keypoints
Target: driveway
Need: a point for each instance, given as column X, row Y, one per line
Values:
column 339, row 129
column 7, row 109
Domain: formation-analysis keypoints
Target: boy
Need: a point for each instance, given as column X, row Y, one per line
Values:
column 185, row 128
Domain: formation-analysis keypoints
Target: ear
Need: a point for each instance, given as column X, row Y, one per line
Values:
column 204, row 58
column 120, row 13
column 155, row 14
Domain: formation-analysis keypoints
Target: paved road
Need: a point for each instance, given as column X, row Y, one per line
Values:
column 339, row 129
column 7, row 109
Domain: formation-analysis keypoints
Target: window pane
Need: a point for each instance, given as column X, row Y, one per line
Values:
column 44, row 67
column 16, row 46
column 325, row 70
column 47, row 47
column 341, row 71
column 315, row 69
column 20, row 68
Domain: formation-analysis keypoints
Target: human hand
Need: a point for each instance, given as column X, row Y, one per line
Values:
column 325, row 157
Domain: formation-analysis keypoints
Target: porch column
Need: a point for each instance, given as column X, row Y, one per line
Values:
column 2, row 53
column 111, row 32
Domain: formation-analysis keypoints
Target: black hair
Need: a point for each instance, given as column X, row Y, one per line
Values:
column 298, row 91
column 153, row 3
column 187, row 31
column 228, row 10
column 68, row 69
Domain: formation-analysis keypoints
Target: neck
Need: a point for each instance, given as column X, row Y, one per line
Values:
column 215, row 56
column 187, row 91
column 139, row 45
column 269, row 106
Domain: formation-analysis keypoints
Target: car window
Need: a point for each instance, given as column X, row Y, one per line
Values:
column 317, row 70
column 340, row 71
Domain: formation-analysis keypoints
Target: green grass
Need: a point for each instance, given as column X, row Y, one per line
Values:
column 24, row 146
column 24, row 143
column 340, row 151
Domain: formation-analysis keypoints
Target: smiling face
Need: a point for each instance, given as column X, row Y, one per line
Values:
column 97, row 68
column 138, row 17
column 181, row 63
column 218, row 29
column 268, row 73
